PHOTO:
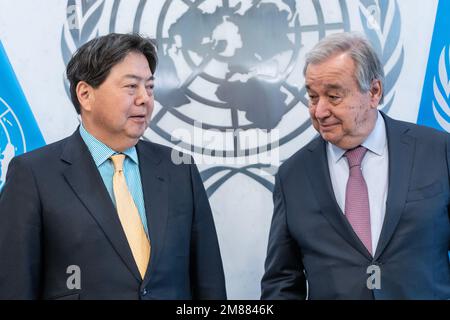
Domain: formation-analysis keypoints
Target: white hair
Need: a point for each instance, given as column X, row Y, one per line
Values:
column 367, row 64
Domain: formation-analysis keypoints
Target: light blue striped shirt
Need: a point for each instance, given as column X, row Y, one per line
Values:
column 101, row 154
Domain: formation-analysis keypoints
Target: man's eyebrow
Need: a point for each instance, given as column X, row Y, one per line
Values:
column 133, row 76
column 333, row 87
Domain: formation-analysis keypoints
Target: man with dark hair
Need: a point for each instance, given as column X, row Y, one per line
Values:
column 102, row 214
column 362, row 211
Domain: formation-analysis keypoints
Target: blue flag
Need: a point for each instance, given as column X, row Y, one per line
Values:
column 19, row 131
column 435, row 105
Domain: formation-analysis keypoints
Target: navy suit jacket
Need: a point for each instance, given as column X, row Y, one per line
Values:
column 312, row 245
column 55, row 212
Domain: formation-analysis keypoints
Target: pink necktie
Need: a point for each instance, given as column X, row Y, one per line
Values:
column 357, row 208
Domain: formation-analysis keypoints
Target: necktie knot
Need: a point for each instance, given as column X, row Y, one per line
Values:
column 117, row 161
column 355, row 156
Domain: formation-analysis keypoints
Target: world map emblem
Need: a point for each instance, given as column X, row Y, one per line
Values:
column 236, row 71
column 229, row 83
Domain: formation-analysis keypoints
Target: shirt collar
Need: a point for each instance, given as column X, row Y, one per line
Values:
column 375, row 142
column 101, row 152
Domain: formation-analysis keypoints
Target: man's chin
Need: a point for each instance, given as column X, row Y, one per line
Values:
column 138, row 131
column 136, row 134
column 329, row 137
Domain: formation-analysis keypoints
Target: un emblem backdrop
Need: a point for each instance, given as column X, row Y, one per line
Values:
column 229, row 87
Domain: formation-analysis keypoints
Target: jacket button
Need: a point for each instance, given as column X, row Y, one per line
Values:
column 144, row 292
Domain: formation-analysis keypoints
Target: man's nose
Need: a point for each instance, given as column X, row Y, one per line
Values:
column 143, row 96
column 322, row 109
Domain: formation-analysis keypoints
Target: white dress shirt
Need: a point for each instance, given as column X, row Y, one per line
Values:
column 375, row 171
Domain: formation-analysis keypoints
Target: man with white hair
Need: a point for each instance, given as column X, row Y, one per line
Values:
column 362, row 211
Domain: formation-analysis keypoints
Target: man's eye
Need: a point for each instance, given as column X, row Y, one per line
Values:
column 312, row 98
column 131, row 86
column 334, row 98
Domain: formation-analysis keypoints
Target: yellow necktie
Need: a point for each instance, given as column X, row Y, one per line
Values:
column 129, row 217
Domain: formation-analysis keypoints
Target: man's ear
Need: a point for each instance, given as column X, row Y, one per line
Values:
column 376, row 92
column 86, row 96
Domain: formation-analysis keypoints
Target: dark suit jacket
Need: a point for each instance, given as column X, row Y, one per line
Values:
column 310, row 238
column 56, row 212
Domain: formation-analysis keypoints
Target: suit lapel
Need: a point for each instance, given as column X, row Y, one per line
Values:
column 401, row 154
column 319, row 175
column 154, row 178
column 86, row 182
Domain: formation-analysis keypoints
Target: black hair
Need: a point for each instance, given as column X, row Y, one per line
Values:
column 94, row 60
